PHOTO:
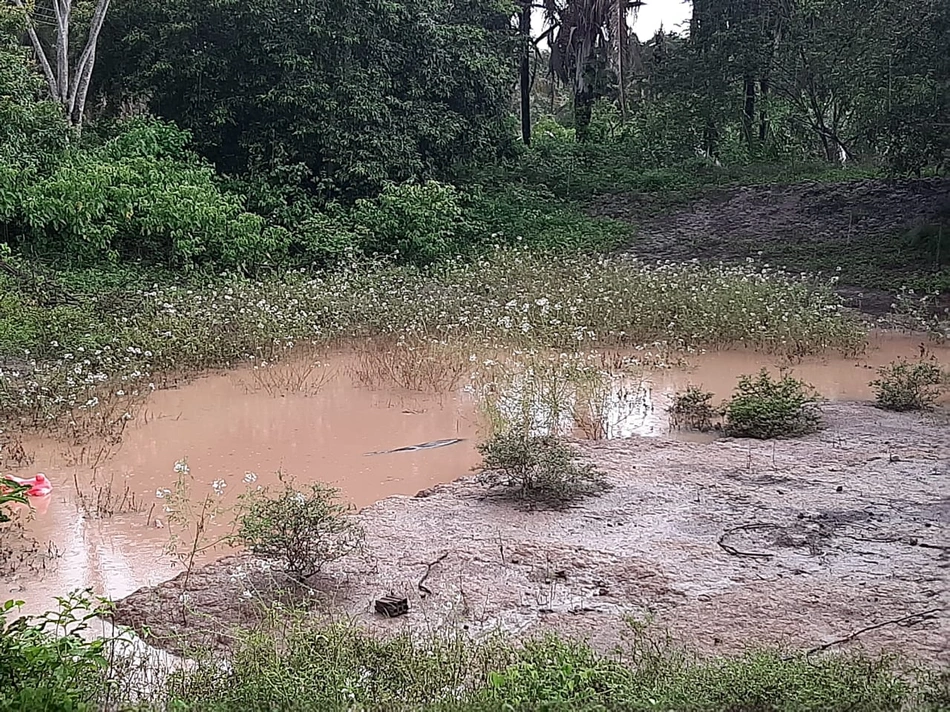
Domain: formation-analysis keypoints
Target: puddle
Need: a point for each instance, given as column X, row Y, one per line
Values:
column 835, row 378
column 224, row 431
column 226, row 425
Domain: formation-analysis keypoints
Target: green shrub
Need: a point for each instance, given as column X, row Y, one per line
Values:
column 763, row 407
column 693, row 410
column 46, row 662
column 539, row 467
column 535, row 217
column 903, row 386
column 142, row 195
column 416, row 222
column 301, row 528
column 290, row 664
column 10, row 493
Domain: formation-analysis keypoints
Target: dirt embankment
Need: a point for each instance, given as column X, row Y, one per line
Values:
column 855, row 225
column 734, row 543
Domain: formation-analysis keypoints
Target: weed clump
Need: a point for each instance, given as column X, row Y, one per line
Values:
column 540, row 467
column 50, row 662
column 764, row 408
column 299, row 665
column 301, row 529
column 903, row 386
column 693, row 410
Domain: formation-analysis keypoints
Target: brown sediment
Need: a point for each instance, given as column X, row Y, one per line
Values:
column 228, row 424
column 824, row 536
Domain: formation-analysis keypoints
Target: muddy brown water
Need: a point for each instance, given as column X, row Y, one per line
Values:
column 226, row 425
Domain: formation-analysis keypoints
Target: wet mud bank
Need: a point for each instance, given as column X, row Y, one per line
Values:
column 837, row 540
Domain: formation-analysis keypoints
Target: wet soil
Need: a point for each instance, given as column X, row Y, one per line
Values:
column 859, row 226
column 839, row 539
column 105, row 526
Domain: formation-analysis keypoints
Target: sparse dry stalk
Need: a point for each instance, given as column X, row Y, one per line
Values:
column 102, row 500
column 294, row 373
column 414, row 365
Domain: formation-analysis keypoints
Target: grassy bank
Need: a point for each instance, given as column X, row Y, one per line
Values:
column 290, row 663
column 103, row 344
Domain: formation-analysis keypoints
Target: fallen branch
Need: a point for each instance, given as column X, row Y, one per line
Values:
column 729, row 549
column 912, row 619
column 426, row 591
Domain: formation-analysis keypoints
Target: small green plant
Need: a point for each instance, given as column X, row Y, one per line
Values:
column 540, row 467
column 301, row 528
column 903, row 386
column 46, row 662
column 763, row 407
column 10, row 493
column 692, row 409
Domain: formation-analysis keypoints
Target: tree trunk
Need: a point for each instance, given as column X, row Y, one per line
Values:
column 763, row 110
column 524, row 27
column 748, row 113
column 621, row 6
column 68, row 88
column 583, row 109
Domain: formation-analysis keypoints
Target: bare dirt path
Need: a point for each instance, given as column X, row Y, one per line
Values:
column 727, row 544
column 859, row 226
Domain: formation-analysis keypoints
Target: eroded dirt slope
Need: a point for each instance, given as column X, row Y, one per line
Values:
column 859, row 226
column 729, row 544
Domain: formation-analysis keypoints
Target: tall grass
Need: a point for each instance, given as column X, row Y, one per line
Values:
column 508, row 299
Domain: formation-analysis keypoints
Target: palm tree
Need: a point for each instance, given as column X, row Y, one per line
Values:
column 590, row 38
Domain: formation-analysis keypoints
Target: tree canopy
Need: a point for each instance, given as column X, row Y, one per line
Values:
column 351, row 94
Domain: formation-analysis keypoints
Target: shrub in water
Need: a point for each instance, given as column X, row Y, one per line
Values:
column 763, row 407
column 693, row 410
column 302, row 529
column 540, row 466
column 904, row 386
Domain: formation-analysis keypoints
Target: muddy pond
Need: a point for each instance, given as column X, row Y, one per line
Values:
column 106, row 526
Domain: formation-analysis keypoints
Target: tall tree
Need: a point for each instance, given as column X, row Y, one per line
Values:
column 315, row 86
column 582, row 47
column 68, row 81
column 524, row 80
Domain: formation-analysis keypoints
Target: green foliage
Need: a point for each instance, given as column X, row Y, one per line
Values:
column 355, row 94
column 535, row 217
column 693, row 409
column 291, row 665
column 551, row 673
column 140, row 195
column 334, row 667
column 414, row 222
column 10, row 493
column 46, row 663
column 903, row 386
column 33, row 130
column 539, row 467
column 302, row 529
column 763, row 407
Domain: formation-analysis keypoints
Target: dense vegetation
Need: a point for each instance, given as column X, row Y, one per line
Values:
column 188, row 184
column 292, row 664
column 245, row 138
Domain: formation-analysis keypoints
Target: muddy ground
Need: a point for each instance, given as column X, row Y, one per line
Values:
column 861, row 226
column 726, row 545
